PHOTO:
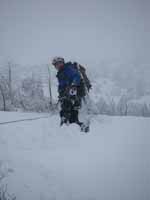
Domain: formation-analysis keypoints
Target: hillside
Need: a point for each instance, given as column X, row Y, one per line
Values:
column 40, row 160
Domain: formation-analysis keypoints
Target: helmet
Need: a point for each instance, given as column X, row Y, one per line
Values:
column 57, row 59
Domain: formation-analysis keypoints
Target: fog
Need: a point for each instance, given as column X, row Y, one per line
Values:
column 31, row 32
column 40, row 160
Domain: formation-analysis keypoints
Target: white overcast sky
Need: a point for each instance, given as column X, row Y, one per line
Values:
column 33, row 31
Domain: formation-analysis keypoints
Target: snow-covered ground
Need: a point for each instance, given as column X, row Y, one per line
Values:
column 39, row 160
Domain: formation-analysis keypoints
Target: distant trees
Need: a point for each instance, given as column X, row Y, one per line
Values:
column 4, row 93
column 6, row 90
column 127, row 74
column 123, row 107
column 27, row 94
column 31, row 96
column 112, row 107
column 129, row 105
column 102, row 106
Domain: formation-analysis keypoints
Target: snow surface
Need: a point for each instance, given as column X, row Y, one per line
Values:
column 40, row 160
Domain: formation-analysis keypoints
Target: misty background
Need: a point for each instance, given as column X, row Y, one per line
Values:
column 110, row 38
column 40, row 160
column 33, row 31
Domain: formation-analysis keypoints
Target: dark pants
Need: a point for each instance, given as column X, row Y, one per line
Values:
column 70, row 109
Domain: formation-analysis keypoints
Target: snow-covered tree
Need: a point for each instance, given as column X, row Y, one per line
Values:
column 102, row 106
column 112, row 107
column 122, row 107
column 31, row 95
column 4, row 94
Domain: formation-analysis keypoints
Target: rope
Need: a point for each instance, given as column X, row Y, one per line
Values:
column 21, row 120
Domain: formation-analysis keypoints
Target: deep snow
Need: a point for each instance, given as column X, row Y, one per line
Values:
column 40, row 160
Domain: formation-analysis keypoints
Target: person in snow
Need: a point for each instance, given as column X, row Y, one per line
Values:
column 72, row 87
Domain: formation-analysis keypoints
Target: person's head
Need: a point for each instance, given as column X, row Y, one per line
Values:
column 58, row 62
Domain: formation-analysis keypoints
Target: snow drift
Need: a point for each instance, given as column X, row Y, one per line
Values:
column 40, row 160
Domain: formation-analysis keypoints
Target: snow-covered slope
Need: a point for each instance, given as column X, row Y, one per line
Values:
column 39, row 160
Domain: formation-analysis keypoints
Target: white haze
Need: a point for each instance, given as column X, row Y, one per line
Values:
column 31, row 32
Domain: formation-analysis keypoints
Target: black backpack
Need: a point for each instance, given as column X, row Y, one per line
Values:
column 84, row 78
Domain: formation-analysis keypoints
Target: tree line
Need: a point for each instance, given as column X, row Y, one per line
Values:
column 29, row 96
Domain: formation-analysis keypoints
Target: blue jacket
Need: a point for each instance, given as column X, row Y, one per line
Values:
column 67, row 76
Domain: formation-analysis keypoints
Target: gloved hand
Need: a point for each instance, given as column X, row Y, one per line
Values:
column 73, row 90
